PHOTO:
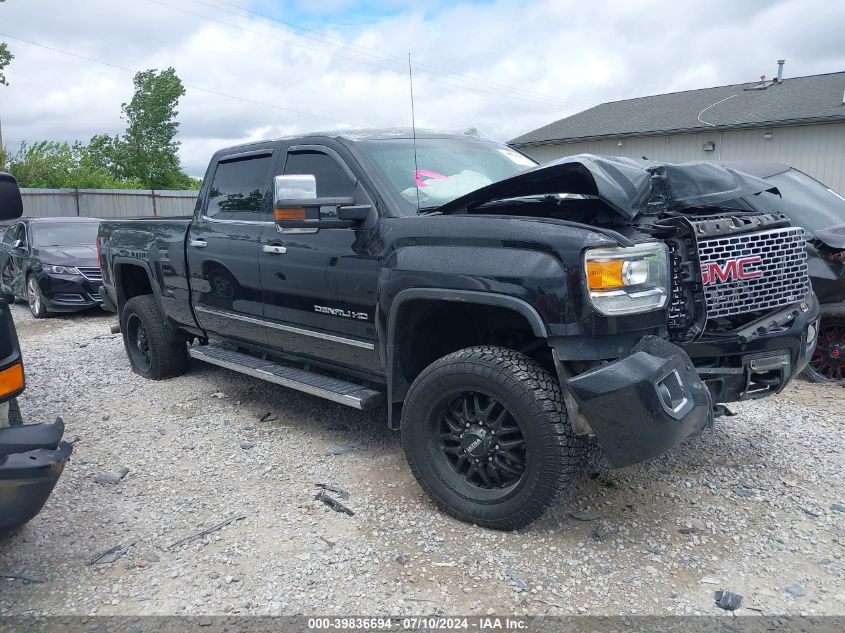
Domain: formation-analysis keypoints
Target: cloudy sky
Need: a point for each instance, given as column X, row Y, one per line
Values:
column 263, row 68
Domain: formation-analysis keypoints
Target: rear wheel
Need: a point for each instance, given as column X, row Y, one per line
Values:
column 486, row 435
column 828, row 361
column 35, row 298
column 154, row 350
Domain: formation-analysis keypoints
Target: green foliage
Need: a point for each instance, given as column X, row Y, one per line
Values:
column 52, row 165
column 5, row 59
column 144, row 157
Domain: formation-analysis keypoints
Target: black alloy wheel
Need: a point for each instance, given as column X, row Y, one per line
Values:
column 485, row 433
column 482, row 441
column 139, row 343
column 155, row 350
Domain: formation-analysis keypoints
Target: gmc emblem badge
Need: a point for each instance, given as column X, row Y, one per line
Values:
column 732, row 270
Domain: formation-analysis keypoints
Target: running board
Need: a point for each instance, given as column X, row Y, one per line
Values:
column 333, row 389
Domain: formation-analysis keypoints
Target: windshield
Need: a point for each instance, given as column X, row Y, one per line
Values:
column 445, row 168
column 64, row 234
column 806, row 201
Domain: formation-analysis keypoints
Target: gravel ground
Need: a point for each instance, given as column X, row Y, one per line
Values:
column 751, row 509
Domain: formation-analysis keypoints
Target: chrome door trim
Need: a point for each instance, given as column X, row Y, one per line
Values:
column 287, row 328
column 242, row 222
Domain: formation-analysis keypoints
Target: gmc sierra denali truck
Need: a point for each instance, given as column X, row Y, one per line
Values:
column 498, row 310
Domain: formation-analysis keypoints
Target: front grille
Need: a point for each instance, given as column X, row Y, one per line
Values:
column 678, row 312
column 782, row 264
column 92, row 273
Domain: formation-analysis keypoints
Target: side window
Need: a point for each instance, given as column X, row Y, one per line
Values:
column 332, row 180
column 238, row 188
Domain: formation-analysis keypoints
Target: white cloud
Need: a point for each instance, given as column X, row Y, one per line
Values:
column 574, row 54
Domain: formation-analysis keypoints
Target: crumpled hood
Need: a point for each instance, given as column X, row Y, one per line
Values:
column 627, row 185
column 67, row 255
column 833, row 236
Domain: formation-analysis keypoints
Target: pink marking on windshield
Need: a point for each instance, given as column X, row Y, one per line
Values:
column 428, row 174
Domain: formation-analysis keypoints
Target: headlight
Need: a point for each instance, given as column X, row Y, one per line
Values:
column 627, row 280
column 60, row 270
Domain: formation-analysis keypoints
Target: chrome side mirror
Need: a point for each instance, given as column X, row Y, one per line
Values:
column 294, row 188
column 296, row 207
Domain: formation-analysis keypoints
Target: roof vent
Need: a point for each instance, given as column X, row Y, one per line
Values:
column 781, row 62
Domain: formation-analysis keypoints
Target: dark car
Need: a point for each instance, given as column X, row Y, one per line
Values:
column 32, row 456
column 821, row 212
column 52, row 264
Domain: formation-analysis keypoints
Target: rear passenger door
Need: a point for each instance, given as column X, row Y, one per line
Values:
column 222, row 247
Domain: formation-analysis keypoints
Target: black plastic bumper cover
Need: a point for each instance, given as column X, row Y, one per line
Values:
column 20, row 439
column 644, row 404
column 27, row 478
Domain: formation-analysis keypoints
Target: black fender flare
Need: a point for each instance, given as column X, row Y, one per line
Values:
column 118, row 263
column 396, row 385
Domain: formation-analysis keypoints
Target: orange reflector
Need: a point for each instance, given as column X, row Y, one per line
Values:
column 604, row 275
column 289, row 214
column 11, row 379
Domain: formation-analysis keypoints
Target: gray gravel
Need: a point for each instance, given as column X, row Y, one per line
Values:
column 754, row 509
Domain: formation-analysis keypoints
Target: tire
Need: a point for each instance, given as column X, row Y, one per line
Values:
column 154, row 350
column 485, row 389
column 827, row 364
column 35, row 298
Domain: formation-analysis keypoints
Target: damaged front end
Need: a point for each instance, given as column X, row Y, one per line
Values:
column 644, row 404
column 32, row 459
column 32, row 456
column 700, row 303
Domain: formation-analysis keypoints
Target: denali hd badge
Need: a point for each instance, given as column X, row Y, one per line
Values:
column 732, row 270
column 340, row 312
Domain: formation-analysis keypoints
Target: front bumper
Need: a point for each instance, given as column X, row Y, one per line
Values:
column 69, row 293
column 749, row 365
column 32, row 459
column 644, row 404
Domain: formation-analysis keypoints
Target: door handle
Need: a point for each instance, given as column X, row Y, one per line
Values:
column 274, row 249
column 198, row 243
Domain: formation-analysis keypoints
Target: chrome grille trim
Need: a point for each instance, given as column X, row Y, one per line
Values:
column 783, row 264
column 91, row 273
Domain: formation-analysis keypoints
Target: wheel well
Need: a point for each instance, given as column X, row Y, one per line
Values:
column 132, row 281
column 428, row 329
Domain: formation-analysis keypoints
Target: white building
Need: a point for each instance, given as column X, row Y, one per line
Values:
column 798, row 121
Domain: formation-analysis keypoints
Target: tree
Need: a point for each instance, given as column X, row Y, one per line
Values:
column 147, row 151
column 6, row 58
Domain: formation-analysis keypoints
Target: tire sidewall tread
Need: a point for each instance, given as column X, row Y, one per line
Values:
column 169, row 353
column 530, row 393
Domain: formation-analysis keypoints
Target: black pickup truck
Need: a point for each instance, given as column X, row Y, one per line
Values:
column 498, row 310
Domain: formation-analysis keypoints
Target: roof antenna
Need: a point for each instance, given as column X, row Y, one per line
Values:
column 414, row 132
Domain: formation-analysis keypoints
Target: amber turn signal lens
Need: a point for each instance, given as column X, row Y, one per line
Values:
column 11, row 379
column 289, row 214
column 605, row 275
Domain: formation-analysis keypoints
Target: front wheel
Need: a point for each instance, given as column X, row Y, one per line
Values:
column 35, row 298
column 154, row 351
column 485, row 433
